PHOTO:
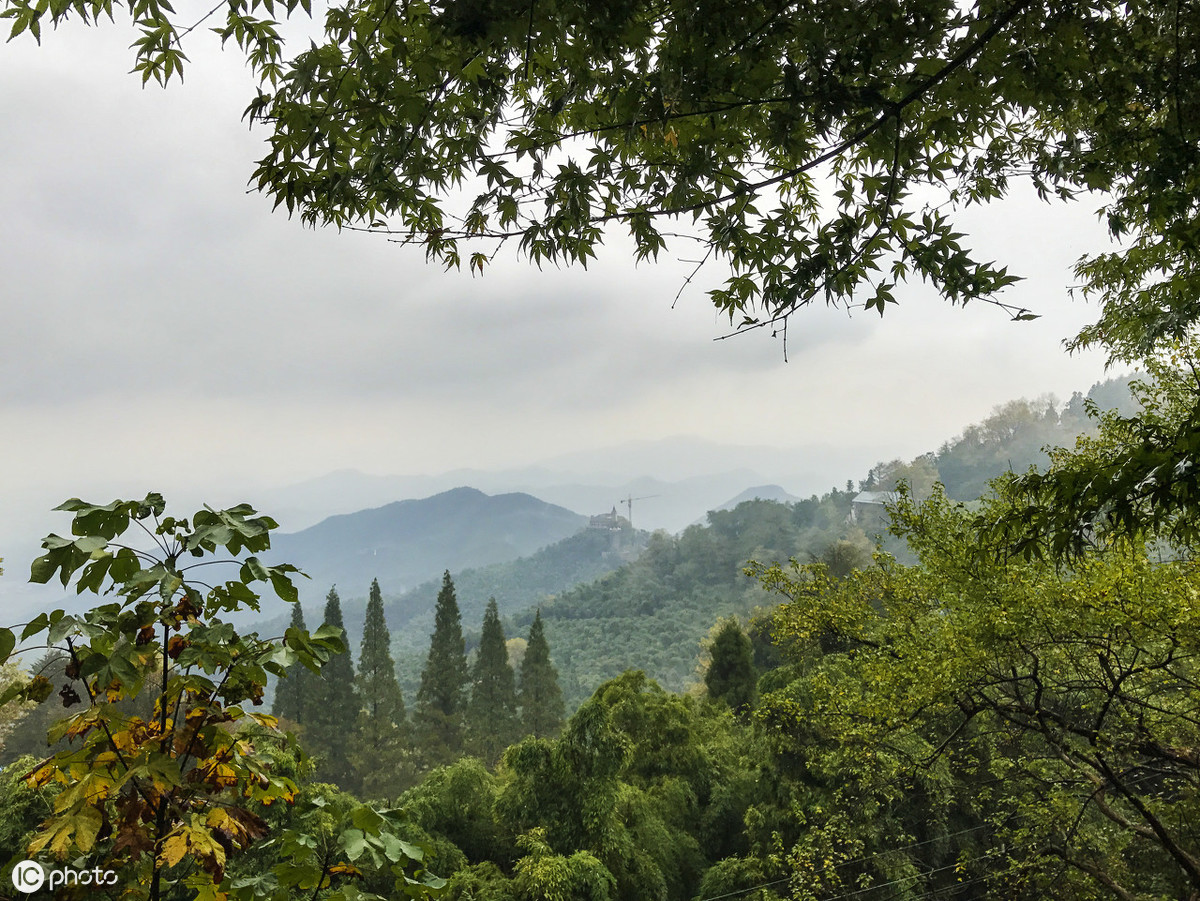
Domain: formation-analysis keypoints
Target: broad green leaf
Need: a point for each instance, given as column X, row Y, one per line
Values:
column 368, row 820
column 353, row 842
column 35, row 625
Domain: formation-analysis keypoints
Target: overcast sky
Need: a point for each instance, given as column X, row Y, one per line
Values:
column 163, row 329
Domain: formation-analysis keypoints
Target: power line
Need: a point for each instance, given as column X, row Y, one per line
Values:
column 855, row 860
column 870, row 888
column 925, row 873
column 752, row 888
column 870, row 857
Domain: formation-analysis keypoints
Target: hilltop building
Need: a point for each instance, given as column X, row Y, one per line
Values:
column 607, row 522
column 867, row 510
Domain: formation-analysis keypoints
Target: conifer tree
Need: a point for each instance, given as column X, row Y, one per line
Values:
column 492, row 723
column 731, row 676
column 335, row 713
column 441, row 697
column 381, row 751
column 295, row 693
column 542, row 710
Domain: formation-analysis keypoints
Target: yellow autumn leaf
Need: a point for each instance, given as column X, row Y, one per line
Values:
column 174, row 849
column 203, row 845
column 41, row 841
column 206, row 891
column 61, row 843
column 41, row 776
column 87, row 827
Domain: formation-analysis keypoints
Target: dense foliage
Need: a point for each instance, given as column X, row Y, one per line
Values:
column 1050, row 713
column 166, row 771
column 624, row 805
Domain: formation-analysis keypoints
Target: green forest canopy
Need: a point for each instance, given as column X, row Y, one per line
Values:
column 974, row 724
column 880, row 760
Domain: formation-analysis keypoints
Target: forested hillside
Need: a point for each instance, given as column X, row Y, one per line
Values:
column 1013, row 438
column 526, row 581
column 880, row 730
column 653, row 613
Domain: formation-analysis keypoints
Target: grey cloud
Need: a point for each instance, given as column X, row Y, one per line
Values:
column 137, row 274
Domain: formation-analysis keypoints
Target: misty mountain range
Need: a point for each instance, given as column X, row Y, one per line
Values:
column 678, row 479
column 347, row 527
column 408, row 542
column 672, row 482
column 513, row 546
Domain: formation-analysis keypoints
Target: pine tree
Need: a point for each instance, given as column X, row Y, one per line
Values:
column 441, row 697
column 492, row 723
column 542, row 710
column 731, row 676
column 295, row 693
column 381, row 750
column 335, row 714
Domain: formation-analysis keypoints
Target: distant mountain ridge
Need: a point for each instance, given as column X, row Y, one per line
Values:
column 761, row 493
column 518, row 585
column 409, row 542
column 688, row 475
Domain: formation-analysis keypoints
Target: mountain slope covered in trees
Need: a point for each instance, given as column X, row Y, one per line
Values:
column 408, row 542
column 618, row 599
column 652, row 613
column 524, row 582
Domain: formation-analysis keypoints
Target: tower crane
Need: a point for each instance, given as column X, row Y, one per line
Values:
column 628, row 502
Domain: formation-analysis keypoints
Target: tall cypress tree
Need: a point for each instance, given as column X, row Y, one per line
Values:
column 336, row 711
column 542, row 709
column 492, row 723
column 731, row 676
column 295, row 694
column 442, row 695
column 381, row 749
